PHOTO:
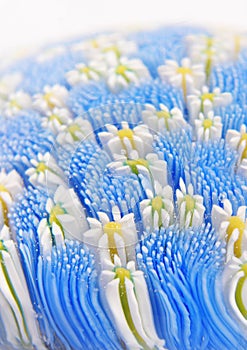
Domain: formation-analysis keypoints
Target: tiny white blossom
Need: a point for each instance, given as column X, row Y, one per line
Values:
column 11, row 185
column 126, row 71
column 208, row 128
column 123, row 141
column 76, row 130
column 149, row 167
column 205, row 101
column 232, row 228
column 83, row 73
column 237, row 140
column 163, row 118
column 190, row 206
column 56, row 118
column 19, row 319
column 14, row 103
column 158, row 210
column 53, row 96
column 234, row 285
column 45, row 171
column 188, row 76
column 127, row 286
column 66, row 219
column 117, row 237
column 106, row 44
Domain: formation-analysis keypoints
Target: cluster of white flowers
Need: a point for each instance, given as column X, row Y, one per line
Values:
column 12, row 101
column 66, row 220
column 107, row 60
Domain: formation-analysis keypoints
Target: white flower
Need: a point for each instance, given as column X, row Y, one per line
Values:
column 209, row 50
column 17, row 311
column 126, row 295
column 53, row 96
column 45, row 171
column 106, row 44
column 158, row 210
column 117, row 237
column 234, row 285
column 161, row 119
column 232, row 228
column 11, row 185
column 187, row 76
column 205, row 101
column 84, row 73
column 50, row 53
column 150, row 167
column 8, row 84
column 124, row 141
column 190, row 206
column 66, row 219
column 55, row 118
column 15, row 102
column 208, row 128
column 126, row 71
column 76, row 130
column 237, row 140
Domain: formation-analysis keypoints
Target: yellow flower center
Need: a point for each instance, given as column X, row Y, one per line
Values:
column 164, row 115
column 190, row 203
column 73, row 129
column 209, row 42
column 126, row 133
column 4, row 206
column 121, row 69
column 157, row 205
column 207, row 123
column 55, row 117
column 122, row 273
column 47, row 97
column 243, row 138
column 113, row 49
column 236, row 223
column 239, row 291
column 53, row 217
column 110, row 229
column 14, row 104
column 184, row 71
column 133, row 164
column 208, row 96
column 84, row 70
column 41, row 167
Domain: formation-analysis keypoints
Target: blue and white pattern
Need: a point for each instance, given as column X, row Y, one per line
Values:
column 123, row 193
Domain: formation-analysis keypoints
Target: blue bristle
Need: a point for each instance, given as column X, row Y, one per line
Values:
column 183, row 270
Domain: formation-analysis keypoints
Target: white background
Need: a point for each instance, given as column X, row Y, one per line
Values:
column 24, row 23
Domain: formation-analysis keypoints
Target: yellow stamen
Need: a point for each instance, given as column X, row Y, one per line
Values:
column 123, row 273
column 113, row 49
column 208, row 96
column 41, row 167
column 207, row 123
column 14, row 104
column 209, row 55
column 5, row 209
column 236, row 223
column 110, row 229
column 73, row 129
column 47, row 97
column 157, row 205
column 55, row 117
column 126, row 133
column 164, row 115
column 53, row 217
column 239, row 292
column 184, row 71
column 209, row 42
column 190, row 203
column 243, row 138
column 133, row 164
